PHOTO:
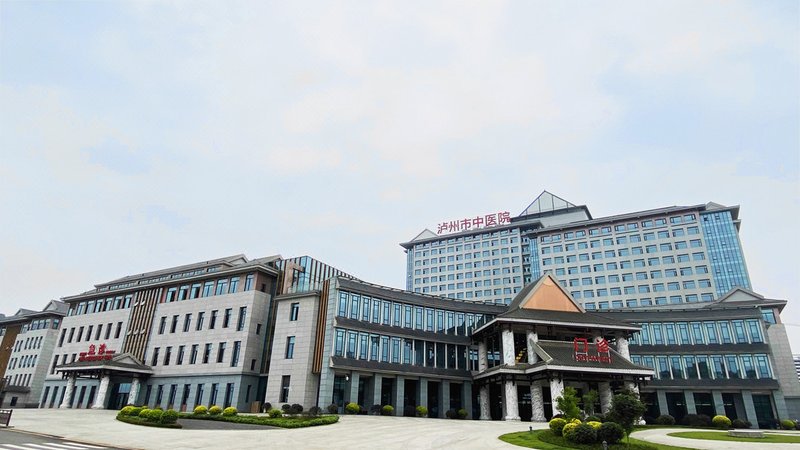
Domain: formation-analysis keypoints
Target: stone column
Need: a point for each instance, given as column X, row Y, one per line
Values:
column 537, row 403
column 377, row 382
column 719, row 405
column 100, row 400
column 466, row 398
column 483, row 398
column 423, row 392
column 399, row 395
column 483, row 359
column 556, row 390
column 509, row 358
column 605, row 396
column 134, row 394
column 780, row 404
column 688, row 397
column 511, row 403
column 444, row 398
column 354, row 377
column 70, row 388
column 622, row 347
column 749, row 408
column 663, row 406
column 532, row 339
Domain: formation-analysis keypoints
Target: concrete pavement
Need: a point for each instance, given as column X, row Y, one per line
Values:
column 659, row 436
column 401, row 433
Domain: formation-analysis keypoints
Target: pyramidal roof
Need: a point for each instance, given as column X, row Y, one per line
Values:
column 425, row 234
column 546, row 202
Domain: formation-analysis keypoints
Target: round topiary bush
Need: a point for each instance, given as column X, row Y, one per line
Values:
column 215, row 410
column 739, row 423
column 422, row 411
column 200, row 410
column 126, row 411
column 721, row 422
column 581, row 434
column 594, row 424
column 332, row 408
column 275, row 413
column 136, row 410
column 787, row 424
column 352, row 408
column 169, row 416
column 315, row 411
column 665, row 419
column 286, row 408
column 230, row 411
column 569, row 428
column 387, row 410
column 144, row 413
column 266, row 406
column 450, row 414
column 461, row 413
column 593, row 418
column 296, row 408
column 611, row 432
column 155, row 415
column 557, row 426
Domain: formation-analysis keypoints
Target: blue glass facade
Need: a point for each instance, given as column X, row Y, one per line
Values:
column 725, row 252
column 536, row 270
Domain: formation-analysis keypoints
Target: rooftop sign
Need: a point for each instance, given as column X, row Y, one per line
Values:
column 581, row 347
column 488, row 220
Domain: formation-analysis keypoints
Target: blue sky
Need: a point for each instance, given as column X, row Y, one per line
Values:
column 142, row 135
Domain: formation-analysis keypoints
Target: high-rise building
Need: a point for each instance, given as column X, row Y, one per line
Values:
column 665, row 256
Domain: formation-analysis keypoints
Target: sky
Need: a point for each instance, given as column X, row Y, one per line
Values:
column 141, row 135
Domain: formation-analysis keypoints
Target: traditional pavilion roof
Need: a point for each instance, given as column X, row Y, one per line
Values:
column 124, row 362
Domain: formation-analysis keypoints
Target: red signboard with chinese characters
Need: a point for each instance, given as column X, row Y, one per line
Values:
column 488, row 220
column 602, row 351
column 96, row 354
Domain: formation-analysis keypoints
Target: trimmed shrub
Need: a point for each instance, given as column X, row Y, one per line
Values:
column 275, row 413
column 568, row 429
column 594, row 424
column 315, row 411
column 201, row 410
column 136, row 410
column 126, row 411
column 230, row 411
column 557, row 426
column 581, row 434
column 665, row 419
column 461, row 413
column 169, row 416
column 593, row 418
column 144, row 413
column 787, row 424
column 739, row 423
column 155, row 415
column 697, row 420
column 352, row 408
column 375, row 410
column 450, row 414
column 266, row 407
column 296, row 408
column 409, row 411
column 286, row 408
column 215, row 410
column 721, row 422
column 387, row 410
column 610, row 432
column 332, row 408
column 421, row 411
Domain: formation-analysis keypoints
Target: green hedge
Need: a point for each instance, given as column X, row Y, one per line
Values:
column 140, row 421
column 283, row 422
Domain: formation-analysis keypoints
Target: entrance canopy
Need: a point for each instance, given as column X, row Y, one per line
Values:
column 123, row 364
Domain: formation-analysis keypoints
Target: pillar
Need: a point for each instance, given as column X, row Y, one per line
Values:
column 399, row 395
column 556, row 390
column 483, row 359
column 466, row 398
column 719, row 405
column 605, row 396
column 511, row 403
column 377, row 383
column 483, row 399
column 100, row 399
column 70, row 388
column 749, row 407
column 444, row 398
column 134, row 394
column 622, row 347
column 537, row 403
column 780, row 405
column 509, row 357
column 423, row 392
column 354, row 377
column 663, row 407
column 532, row 339
column 690, row 406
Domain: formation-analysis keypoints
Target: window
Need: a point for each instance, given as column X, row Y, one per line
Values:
column 242, row 316
column 187, row 322
column 154, row 360
column 207, row 353
column 167, row 355
column 285, row 380
column 193, row 355
column 289, row 347
column 213, row 321
column 237, row 347
column 200, row 317
column 221, row 352
column 226, row 319
column 295, row 310
column 248, row 282
column 161, row 326
column 179, row 360
column 233, row 285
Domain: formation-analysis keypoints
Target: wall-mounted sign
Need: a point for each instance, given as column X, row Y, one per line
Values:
column 488, row 220
column 96, row 354
column 602, row 351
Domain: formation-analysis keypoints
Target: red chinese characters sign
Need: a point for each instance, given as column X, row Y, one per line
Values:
column 602, row 351
column 488, row 220
column 96, row 354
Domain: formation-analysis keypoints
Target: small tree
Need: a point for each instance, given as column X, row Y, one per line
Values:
column 568, row 404
column 589, row 401
column 626, row 408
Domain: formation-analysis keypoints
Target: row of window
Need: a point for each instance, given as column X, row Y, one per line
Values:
column 397, row 350
column 695, row 333
column 98, row 331
column 28, row 343
column 705, row 367
column 24, row 361
column 459, row 248
column 199, row 395
column 194, row 353
column 212, row 322
column 41, row 324
column 684, row 257
column 209, row 288
column 375, row 310
column 468, row 238
column 20, row 379
column 100, row 305
column 483, row 263
column 459, row 275
column 645, row 302
column 632, row 239
column 619, row 228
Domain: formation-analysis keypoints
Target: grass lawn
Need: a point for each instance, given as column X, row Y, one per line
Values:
column 723, row 436
column 546, row 440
